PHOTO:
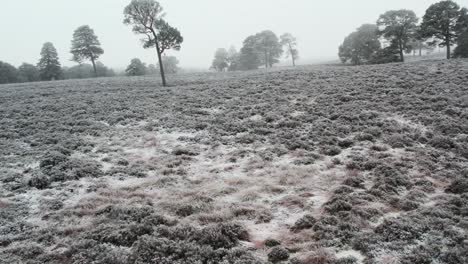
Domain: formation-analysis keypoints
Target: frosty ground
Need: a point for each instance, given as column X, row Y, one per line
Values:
column 319, row 164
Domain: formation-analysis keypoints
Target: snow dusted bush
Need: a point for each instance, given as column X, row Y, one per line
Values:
column 278, row 254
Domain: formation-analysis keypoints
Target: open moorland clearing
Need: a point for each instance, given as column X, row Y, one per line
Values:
column 319, row 164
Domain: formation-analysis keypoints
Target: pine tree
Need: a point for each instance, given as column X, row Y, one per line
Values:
column 86, row 46
column 146, row 17
column 441, row 22
column 49, row 65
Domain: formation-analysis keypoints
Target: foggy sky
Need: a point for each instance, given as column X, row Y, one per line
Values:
column 206, row 25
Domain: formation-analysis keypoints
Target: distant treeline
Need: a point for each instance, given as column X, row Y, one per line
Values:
column 398, row 32
column 145, row 17
column 262, row 49
column 32, row 73
column 85, row 46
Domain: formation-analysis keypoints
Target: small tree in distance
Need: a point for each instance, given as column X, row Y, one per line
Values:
column 233, row 59
column 361, row 46
column 290, row 42
column 136, row 68
column 249, row 58
column 151, row 69
column 221, row 60
column 8, row 73
column 171, row 64
column 269, row 47
column 146, row 17
column 85, row 45
column 28, row 73
column 49, row 65
column 399, row 26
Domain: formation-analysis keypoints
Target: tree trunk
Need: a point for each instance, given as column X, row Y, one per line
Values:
column 402, row 56
column 448, row 49
column 266, row 60
column 292, row 55
column 161, row 67
column 420, row 49
column 94, row 67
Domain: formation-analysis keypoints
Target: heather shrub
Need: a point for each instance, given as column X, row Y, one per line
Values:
column 278, row 254
column 305, row 222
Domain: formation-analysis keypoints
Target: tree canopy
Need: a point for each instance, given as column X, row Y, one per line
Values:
column 168, row 38
column 136, row 68
column 262, row 48
column 360, row 46
column 86, row 46
column 249, row 58
column 28, row 73
column 49, row 65
column 221, row 60
column 8, row 73
column 268, row 47
column 398, row 26
column 442, row 22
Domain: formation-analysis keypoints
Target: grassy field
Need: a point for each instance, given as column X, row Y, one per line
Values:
column 319, row 164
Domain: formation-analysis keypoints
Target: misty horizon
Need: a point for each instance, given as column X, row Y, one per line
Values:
column 205, row 25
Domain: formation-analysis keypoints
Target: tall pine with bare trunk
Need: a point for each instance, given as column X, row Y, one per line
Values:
column 441, row 22
column 86, row 46
column 49, row 65
column 146, row 17
column 399, row 27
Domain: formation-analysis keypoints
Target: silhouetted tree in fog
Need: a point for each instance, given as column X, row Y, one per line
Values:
column 269, row 47
column 151, row 69
column 261, row 48
column 171, row 64
column 233, row 59
column 28, row 73
column 399, row 26
column 8, row 73
column 86, row 46
column 136, row 68
column 49, row 65
column 360, row 46
column 221, row 60
column 290, row 43
column 146, row 17
column 249, row 58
